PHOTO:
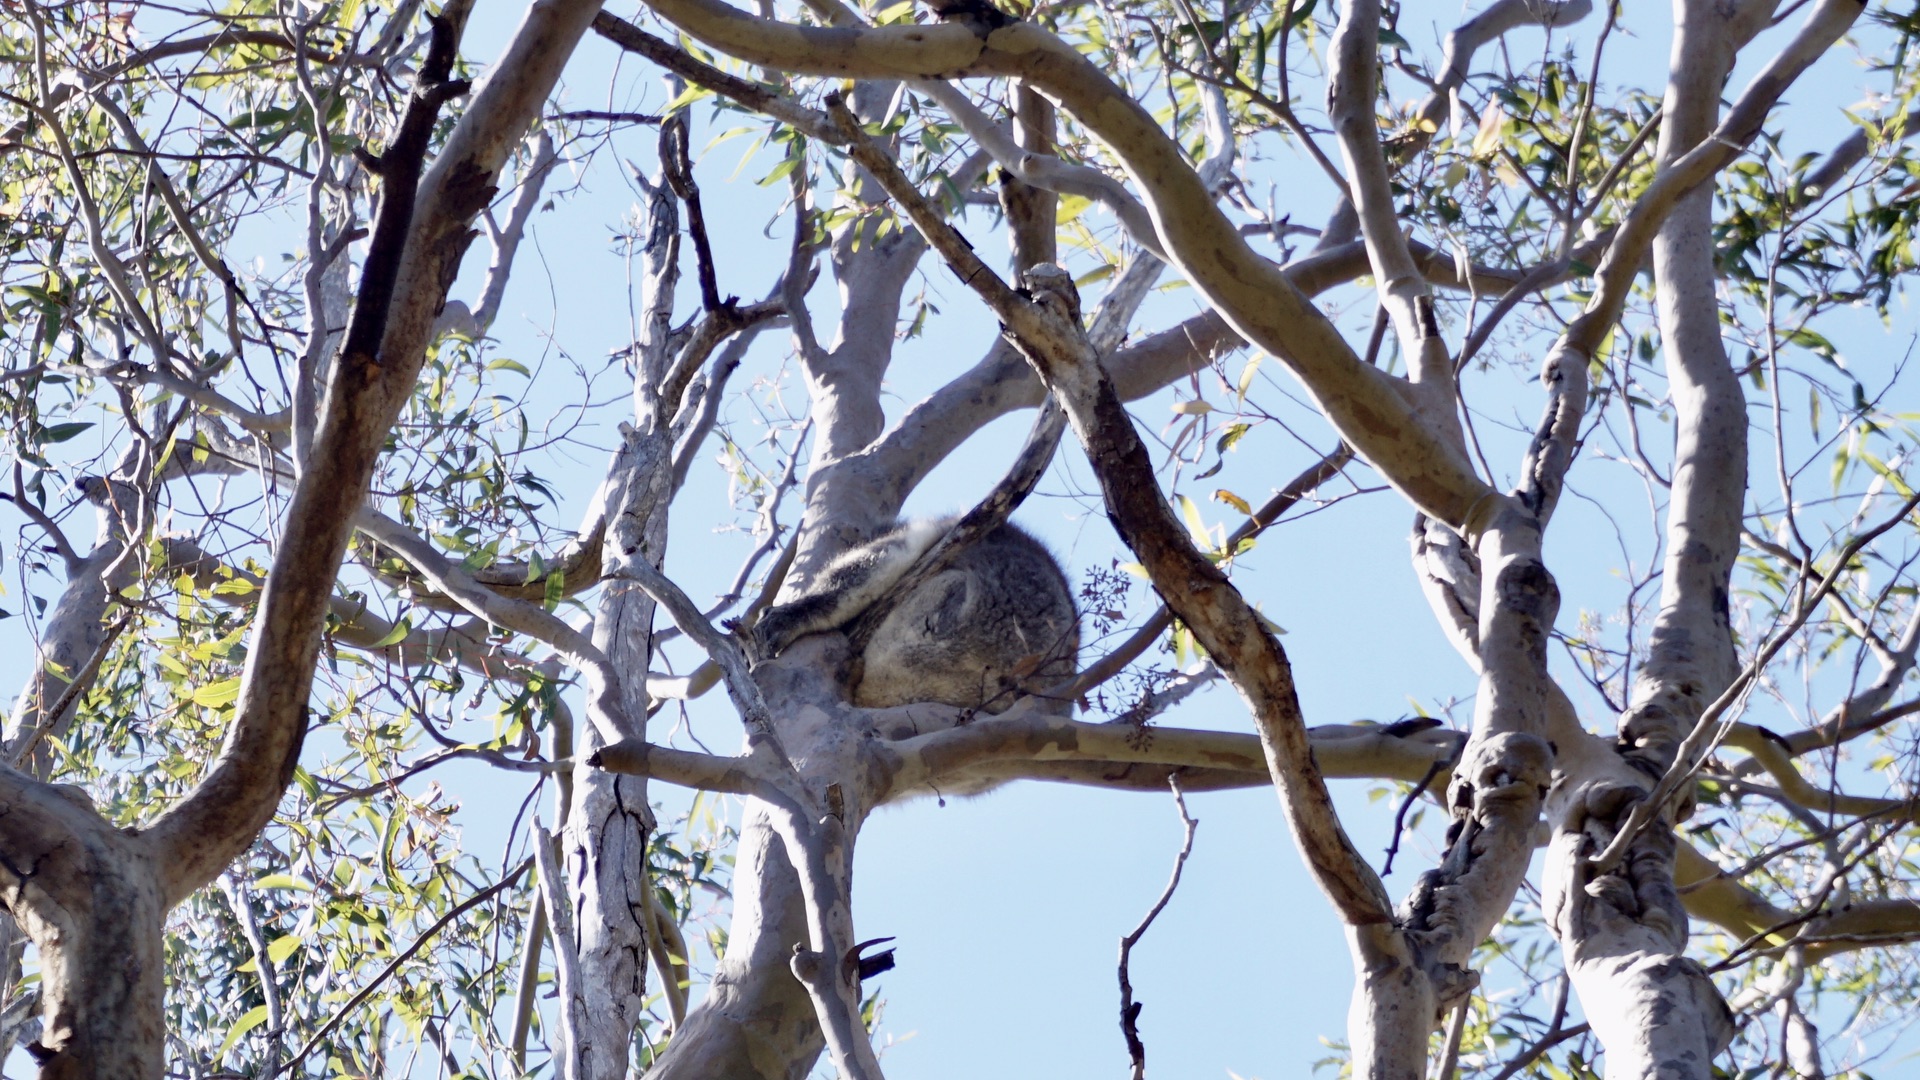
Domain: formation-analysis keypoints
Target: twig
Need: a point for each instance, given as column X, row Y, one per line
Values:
column 677, row 165
column 1114, row 662
column 81, row 683
column 1554, row 1037
column 393, row 965
column 1129, row 1008
column 1400, row 815
column 1709, row 729
column 611, row 117
column 55, row 536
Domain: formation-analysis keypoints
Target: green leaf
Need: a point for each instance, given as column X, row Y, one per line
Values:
column 687, row 97
column 217, row 695
column 59, row 433
column 282, row 947
column 396, row 635
column 251, row 1019
column 283, row 881
column 780, row 171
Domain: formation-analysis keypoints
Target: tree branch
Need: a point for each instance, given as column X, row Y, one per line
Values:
column 1365, row 404
column 413, row 256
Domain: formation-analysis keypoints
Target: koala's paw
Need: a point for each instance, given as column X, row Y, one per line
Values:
column 751, row 641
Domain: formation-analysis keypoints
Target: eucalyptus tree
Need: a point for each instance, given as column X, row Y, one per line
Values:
column 326, row 510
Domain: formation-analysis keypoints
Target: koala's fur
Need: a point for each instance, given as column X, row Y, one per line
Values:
column 997, row 623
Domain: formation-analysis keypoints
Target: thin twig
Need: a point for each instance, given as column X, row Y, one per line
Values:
column 83, row 680
column 1129, row 1008
column 1554, row 1037
column 1149, row 632
column 1400, row 815
column 393, row 965
column 676, row 164
column 1709, row 729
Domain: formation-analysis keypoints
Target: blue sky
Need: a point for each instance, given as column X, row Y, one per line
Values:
column 1008, row 908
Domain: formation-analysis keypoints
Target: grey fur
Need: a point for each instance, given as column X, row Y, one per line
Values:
column 997, row 623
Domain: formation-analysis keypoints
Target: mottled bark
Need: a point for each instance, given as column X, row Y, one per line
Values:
column 90, row 897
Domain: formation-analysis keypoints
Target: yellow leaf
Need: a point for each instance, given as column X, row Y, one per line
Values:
column 1100, row 273
column 1247, row 373
column 284, row 881
column 1235, row 501
column 1195, row 523
column 1487, row 139
column 282, row 947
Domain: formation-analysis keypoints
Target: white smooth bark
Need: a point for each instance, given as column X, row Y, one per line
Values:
column 1622, row 925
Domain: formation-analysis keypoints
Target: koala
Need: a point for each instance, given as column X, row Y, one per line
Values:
column 997, row 623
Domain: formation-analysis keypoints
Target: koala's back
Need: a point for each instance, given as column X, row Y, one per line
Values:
column 998, row 622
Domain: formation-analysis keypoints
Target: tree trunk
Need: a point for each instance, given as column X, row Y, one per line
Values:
column 88, row 896
column 757, row 1022
column 1624, row 930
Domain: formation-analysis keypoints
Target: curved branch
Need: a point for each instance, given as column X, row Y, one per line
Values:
column 1365, row 404
column 421, row 238
column 1354, row 55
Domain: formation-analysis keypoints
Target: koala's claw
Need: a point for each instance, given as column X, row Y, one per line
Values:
column 750, row 641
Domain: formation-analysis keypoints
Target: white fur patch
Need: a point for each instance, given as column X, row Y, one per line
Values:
column 922, row 533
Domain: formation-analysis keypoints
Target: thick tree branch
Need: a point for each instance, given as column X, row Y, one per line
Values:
column 1048, row 330
column 1365, row 404
column 419, row 242
column 1404, row 293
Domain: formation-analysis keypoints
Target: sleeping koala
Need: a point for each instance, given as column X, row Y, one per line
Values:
column 997, row 623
